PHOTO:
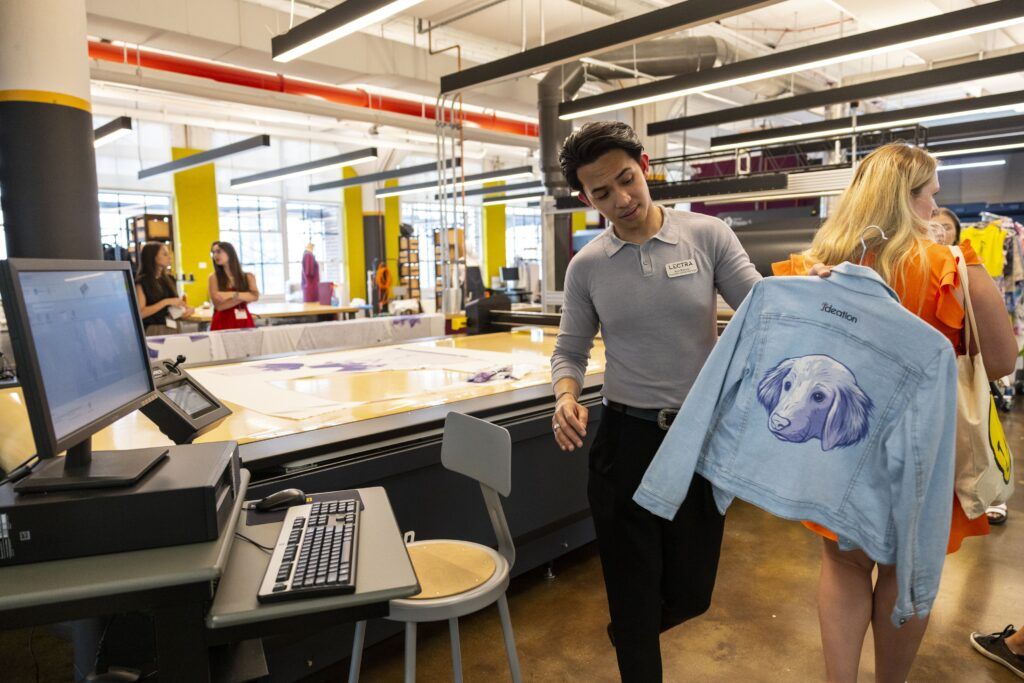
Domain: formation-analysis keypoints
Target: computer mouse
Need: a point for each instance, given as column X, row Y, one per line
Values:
column 279, row 500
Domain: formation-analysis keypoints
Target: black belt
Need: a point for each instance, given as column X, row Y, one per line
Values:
column 663, row 417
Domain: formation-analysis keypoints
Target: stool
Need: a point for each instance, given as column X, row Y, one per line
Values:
column 459, row 577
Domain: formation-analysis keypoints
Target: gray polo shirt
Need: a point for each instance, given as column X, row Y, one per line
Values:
column 655, row 304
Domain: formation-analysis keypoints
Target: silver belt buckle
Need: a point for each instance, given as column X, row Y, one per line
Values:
column 663, row 418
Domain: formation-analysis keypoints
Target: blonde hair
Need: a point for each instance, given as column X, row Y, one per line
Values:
column 881, row 194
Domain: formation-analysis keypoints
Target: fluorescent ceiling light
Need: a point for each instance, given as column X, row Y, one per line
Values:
column 475, row 179
column 973, row 164
column 112, row 130
column 206, row 157
column 994, row 147
column 430, row 167
column 335, row 23
column 978, row 19
column 918, row 80
column 770, row 197
column 868, row 122
column 308, row 168
column 490, row 201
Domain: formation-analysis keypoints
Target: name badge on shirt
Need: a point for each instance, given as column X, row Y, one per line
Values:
column 687, row 267
column 240, row 314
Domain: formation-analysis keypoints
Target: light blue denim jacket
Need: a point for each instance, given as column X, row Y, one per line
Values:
column 826, row 400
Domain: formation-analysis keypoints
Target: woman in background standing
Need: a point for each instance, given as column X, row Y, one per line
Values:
column 156, row 291
column 231, row 289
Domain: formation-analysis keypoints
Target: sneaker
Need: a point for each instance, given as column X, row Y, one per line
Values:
column 994, row 647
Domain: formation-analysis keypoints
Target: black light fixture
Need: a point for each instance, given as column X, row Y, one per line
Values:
column 533, row 184
column 972, row 147
column 475, row 178
column 112, row 130
column 676, row 17
column 337, row 22
column 969, row 71
column 509, row 199
column 384, row 175
column 989, row 17
column 308, row 168
column 206, row 157
column 888, row 119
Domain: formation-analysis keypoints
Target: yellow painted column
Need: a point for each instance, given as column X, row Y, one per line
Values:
column 355, row 259
column 392, row 218
column 493, row 229
column 579, row 220
column 197, row 225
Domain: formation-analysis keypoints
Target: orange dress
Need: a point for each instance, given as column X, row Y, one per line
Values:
column 938, row 306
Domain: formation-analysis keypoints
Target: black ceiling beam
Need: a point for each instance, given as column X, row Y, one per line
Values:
column 972, row 17
column 383, row 175
column 919, row 80
column 676, row 17
column 866, row 121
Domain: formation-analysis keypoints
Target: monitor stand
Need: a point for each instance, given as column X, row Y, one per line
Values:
column 83, row 469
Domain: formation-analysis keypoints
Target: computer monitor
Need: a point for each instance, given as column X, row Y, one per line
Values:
column 82, row 363
column 509, row 274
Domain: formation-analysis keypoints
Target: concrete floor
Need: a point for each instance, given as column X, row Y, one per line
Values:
column 762, row 625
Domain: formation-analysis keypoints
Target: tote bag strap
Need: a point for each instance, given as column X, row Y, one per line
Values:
column 970, row 324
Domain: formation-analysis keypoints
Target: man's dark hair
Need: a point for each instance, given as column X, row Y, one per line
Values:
column 587, row 144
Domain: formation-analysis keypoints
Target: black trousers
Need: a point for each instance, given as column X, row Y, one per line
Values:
column 657, row 573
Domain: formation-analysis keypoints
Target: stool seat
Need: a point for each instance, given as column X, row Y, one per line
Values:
column 446, row 568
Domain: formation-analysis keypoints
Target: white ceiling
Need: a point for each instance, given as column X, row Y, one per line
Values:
column 394, row 56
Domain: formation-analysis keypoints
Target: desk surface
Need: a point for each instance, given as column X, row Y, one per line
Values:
column 100, row 576
column 277, row 310
column 412, row 389
column 383, row 570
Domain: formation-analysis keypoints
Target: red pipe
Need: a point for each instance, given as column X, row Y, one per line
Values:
column 279, row 83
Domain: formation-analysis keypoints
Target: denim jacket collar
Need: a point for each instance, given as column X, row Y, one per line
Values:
column 861, row 279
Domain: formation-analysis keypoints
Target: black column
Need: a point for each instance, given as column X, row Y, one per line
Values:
column 48, row 188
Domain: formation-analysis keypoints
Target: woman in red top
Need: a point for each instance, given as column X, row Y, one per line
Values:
column 231, row 289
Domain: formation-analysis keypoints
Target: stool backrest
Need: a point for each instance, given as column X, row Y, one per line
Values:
column 482, row 451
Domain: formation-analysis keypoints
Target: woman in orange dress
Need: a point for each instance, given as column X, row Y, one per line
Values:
column 893, row 189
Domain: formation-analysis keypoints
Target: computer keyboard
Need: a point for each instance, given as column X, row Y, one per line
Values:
column 315, row 553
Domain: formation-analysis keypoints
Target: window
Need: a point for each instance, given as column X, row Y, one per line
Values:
column 253, row 226
column 425, row 218
column 522, row 234
column 117, row 207
column 319, row 224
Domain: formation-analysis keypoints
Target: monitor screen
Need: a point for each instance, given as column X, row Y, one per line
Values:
column 509, row 273
column 192, row 401
column 85, row 332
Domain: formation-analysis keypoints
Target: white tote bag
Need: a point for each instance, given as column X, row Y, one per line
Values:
column 984, row 466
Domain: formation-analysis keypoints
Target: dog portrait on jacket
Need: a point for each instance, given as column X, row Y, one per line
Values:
column 815, row 397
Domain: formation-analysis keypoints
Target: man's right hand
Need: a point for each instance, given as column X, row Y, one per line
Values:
column 569, row 423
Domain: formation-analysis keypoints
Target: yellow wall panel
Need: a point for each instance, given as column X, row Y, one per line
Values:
column 355, row 258
column 197, row 224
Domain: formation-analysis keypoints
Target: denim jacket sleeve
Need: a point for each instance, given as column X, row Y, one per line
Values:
column 668, row 477
column 921, row 465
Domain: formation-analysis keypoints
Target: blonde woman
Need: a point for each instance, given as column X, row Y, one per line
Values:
column 893, row 189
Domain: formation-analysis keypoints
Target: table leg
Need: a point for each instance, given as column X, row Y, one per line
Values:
column 181, row 649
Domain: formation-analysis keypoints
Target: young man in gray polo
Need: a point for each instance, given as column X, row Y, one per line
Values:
column 649, row 282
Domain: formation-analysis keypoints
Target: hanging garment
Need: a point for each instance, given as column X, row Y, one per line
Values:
column 988, row 243
column 826, row 400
